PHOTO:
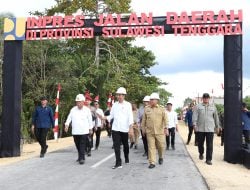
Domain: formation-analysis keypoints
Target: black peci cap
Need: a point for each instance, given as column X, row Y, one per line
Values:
column 205, row 95
column 43, row 98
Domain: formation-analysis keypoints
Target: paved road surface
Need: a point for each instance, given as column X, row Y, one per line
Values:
column 59, row 170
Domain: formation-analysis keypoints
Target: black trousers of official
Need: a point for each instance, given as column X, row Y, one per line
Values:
column 190, row 132
column 108, row 129
column 171, row 132
column 41, row 136
column 80, row 142
column 145, row 142
column 118, row 138
column 97, row 132
column 89, row 143
column 208, row 136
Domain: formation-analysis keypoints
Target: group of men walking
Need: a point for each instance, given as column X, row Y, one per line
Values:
column 156, row 124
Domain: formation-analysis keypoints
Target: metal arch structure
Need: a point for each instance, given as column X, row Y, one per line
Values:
column 11, row 111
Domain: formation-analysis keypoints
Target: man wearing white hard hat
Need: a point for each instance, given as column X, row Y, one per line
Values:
column 154, row 125
column 122, row 115
column 145, row 100
column 81, row 122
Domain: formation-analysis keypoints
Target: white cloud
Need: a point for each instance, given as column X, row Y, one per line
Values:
column 174, row 49
column 193, row 84
column 21, row 8
column 160, row 7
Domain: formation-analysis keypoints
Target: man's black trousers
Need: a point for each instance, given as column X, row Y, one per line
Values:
column 41, row 135
column 80, row 142
column 201, row 137
column 118, row 138
column 171, row 132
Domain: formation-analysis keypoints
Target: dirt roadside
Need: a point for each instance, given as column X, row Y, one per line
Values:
column 221, row 175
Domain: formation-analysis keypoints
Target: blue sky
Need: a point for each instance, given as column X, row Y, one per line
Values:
column 191, row 65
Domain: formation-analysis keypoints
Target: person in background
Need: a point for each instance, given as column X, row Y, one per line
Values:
column 89, row 140
column 108, row 124
column 189, row 123
column 154, row 125
column 205, row 120
column 81, row 122
column 221, row 134
column 145, row 100
column 135, row 137
column 172, row 125
column 99, row 123
column 42, row 121
column 246, row 124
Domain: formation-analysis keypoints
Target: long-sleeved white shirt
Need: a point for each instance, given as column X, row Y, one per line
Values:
column 81, row 120
column 99, row 121
column 172, row 119
column 122, row 115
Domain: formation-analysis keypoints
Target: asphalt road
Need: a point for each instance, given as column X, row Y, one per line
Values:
column 59, row 170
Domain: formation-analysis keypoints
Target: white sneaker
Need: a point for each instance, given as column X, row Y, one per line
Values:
column 117, row 166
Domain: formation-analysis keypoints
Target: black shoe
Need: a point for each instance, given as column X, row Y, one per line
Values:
column 201, row 157
column 145, row 154
column 89, row 154
column 131, row 145
column 96, row 148
column 151, row 166
column 209, row 162
column 160, row 161
column 41, row 155
column 81, row 161
column 126, row 161
column 135, row 146
column 117, row 166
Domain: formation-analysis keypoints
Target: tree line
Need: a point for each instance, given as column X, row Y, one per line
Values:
column 78, row 65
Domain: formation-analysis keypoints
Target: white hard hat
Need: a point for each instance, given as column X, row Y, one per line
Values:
column 146, row 99
column 80, row 97
column 154, row 96
column 121, row 90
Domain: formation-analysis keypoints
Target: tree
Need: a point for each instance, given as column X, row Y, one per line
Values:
column 178, row 110
column 220, row 108
column 72, row 63
column 247, row 101
column 187, row 101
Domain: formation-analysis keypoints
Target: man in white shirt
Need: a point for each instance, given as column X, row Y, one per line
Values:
column 81, row 121
column 172, row 126
column 99, row 123
column 146, row 100
column 122, row 115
